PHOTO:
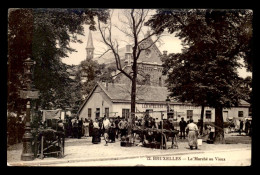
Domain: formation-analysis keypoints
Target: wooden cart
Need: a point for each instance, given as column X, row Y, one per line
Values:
column 51, row 143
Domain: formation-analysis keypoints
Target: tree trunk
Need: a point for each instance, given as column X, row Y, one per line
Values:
column 219, row 130
column 133, row 98
column 201, row 118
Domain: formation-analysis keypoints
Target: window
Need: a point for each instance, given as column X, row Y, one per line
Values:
column 189, row 113
column 240, row 114
column 160, row 81
column 147, row 52
column 97, row 112
column 125, row 113
column 147, row 79
column 89, row 112
column 107, row 112
column 208, row 114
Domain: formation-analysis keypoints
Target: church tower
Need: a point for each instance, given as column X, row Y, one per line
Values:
column 90, row 48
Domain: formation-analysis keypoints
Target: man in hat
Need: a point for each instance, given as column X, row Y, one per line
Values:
column 182, row 125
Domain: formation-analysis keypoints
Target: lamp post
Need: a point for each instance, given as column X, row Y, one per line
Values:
column 28, row 94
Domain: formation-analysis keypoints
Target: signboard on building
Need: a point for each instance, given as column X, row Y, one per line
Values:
column 29, row 94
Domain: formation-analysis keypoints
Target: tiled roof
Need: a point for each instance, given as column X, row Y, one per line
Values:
column 121, row 92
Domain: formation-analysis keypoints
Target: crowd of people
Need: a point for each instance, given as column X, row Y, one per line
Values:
column 118, row 128
column 113, row 128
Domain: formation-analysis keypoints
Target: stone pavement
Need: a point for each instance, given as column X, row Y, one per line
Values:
column 82, row 150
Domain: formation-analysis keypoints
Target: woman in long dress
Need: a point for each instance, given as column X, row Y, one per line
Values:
column 192, row 135
column 112, row 131
column 90, row 128
column 96, row 133
column 86, row 128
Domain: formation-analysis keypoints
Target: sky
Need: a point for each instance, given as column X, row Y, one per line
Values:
column 168, row 42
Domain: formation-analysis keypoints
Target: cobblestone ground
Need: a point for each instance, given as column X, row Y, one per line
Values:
column 84, row 149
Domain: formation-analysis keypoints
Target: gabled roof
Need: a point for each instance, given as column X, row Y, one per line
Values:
column 243, row 103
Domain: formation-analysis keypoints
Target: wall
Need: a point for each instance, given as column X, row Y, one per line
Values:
column 154, row 71
column 179, row 111
column 97, row 100
column 100, row 100
column 233, row 112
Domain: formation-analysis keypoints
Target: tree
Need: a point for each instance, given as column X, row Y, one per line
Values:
column 205, row 73
column 87, row 74
column 44, row 35
column 133, row 26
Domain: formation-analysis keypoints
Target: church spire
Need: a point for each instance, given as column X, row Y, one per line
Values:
column 90, row 48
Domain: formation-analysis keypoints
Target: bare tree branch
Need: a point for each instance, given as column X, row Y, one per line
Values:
column 104, row 53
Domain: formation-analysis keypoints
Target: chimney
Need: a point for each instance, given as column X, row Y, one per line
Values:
column 165, row 53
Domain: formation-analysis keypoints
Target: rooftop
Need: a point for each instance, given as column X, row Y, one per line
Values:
column 122, row 92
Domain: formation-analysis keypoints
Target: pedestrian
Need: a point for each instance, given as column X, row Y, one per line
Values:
column 105, row 126
column 149, row 123
column 154, row 124
column 70, row 128
column 241, row 127
column 123, row 127
column 101, row 131
column 86, row 128
column 75, row 124
column 117, row 128
column 247, row 126
column 193, row 132
column 90, row 127
column 80, row 125
column 182, row 125
column 112, row 131
column 96, row 133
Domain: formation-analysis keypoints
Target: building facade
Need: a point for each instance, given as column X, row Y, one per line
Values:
column 113, row 99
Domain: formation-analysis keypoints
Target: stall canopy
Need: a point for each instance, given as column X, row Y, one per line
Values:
column 51, row 114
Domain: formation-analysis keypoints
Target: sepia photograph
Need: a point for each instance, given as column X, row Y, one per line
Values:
column 105, row 87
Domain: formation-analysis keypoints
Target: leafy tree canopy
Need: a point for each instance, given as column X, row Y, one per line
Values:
column 206, row 71
column 44, row 35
